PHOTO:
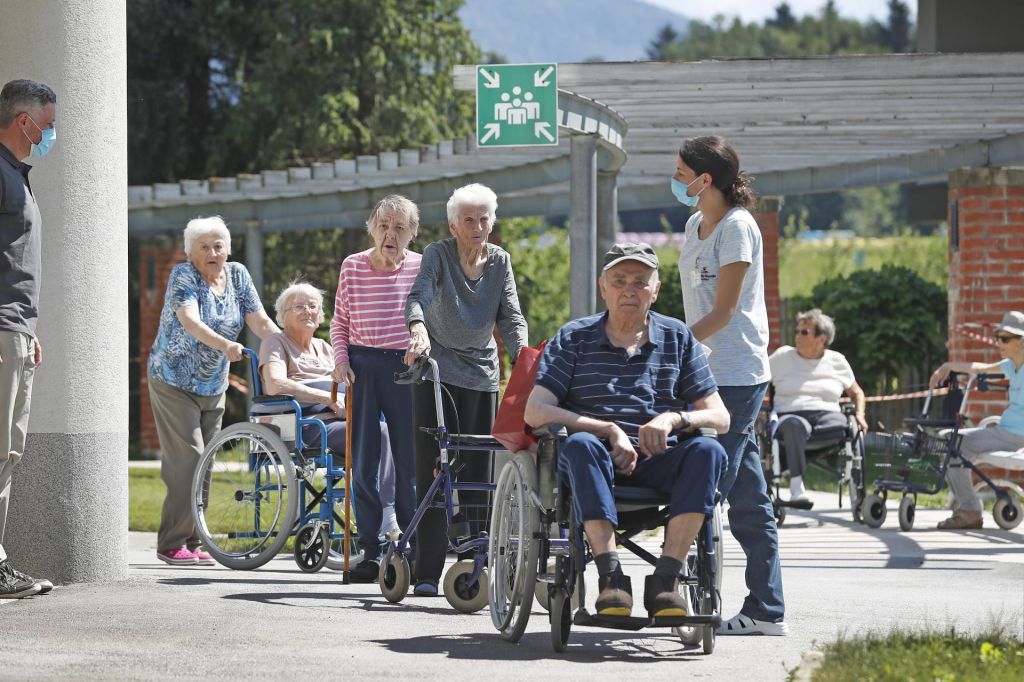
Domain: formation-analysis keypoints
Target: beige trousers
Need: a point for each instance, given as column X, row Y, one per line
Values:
column 185, row 422
column 16, row 372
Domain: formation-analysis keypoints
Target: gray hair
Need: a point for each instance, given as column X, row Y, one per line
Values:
column 395, row 203
column 472, row 195
column 297, row 287
column 200, row 227
column 823, row 324
column 18, row 94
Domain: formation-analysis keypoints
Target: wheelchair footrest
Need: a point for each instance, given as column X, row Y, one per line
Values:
column 584, row 618
column 797, row 504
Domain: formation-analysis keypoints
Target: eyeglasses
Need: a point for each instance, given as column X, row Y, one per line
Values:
column 1005, row 338
column 303, row 307
column 805, row 332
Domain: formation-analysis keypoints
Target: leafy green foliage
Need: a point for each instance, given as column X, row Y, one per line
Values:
column 786, row 36
column 886, row 320
column 540, row 261
column 218, row 87
column 670, row 297
column 803, row 264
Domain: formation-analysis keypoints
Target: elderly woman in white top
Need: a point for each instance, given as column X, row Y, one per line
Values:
column 809, row 380
column 208, row 301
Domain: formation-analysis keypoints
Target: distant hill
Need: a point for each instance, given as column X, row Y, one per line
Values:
column 566, row 30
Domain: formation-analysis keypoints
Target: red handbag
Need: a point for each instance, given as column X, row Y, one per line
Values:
column 510, row 428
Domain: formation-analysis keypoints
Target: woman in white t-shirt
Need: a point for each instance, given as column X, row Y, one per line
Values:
column 809, row 380
column 722, row 275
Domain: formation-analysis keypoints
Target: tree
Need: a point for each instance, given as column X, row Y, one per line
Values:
column 887, row 320
column 219, row 87
column 896, row 34
column 666, row 36
column 784, row 19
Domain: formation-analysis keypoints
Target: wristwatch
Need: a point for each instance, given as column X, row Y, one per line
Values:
column 684, row 417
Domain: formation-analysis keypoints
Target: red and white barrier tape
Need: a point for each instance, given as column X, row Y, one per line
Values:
column 962, row 329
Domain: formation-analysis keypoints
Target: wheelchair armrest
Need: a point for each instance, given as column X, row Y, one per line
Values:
column 267, row 399
column 551, row 431
column 849, row 409
column 707, row 432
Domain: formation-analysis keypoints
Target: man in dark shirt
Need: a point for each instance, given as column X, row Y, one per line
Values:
column 27, row 114
column 621, row 382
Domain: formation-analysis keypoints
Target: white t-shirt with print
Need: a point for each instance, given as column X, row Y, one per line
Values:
column 802, row 384
column 739, row 351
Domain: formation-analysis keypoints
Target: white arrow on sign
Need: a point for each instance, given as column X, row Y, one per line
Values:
column 541, row 128
column 540, row 78
column 493, row 130
column 493, row 80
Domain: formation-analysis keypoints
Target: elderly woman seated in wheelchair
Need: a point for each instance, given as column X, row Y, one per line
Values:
column 246, row 498
column 807, row 382
column 633, row 389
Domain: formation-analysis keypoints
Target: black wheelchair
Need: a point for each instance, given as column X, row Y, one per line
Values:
column 533, row 523
column 838, row 451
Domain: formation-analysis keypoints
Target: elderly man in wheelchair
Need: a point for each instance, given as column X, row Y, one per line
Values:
column 633, row 389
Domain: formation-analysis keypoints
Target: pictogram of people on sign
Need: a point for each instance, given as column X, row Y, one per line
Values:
column 517, row 107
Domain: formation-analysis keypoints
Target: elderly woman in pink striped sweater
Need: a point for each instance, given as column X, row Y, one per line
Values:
column 369, row 336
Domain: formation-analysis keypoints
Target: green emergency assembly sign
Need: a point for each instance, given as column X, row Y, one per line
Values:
column 516, row 105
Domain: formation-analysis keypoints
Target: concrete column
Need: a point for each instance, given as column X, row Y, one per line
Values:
column 583, row 225
column 69, row 498
column 607, row 216
column 254, row 264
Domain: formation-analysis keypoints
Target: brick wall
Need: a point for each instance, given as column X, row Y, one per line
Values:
column 767, row 216
column 155, row 266
column 986, row 267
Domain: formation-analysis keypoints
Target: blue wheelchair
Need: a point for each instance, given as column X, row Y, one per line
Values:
column 256, row 485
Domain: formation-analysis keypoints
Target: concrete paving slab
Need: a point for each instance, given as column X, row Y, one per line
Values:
column 277, row 622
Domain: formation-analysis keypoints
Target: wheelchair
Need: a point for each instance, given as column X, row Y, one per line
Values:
column 464, row 582
column 838, row 451
column 533, row 522
column 916, row 462
column 256, row 485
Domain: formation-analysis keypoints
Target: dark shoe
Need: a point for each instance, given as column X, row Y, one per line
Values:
column 44, row 584
column 14, row 587
column 615, row 597
column 365, row 572
column 662, row 598
column 425, row 588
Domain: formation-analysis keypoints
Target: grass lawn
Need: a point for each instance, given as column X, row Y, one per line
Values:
column 928, row 656
column 145, row 497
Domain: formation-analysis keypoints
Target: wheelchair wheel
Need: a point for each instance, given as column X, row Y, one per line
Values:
column 908, row 509
column 244, row 496
column 459, row 593
column 874, row 511
column 312, row 547
column 336, row 555
column 512, row 551
column 1007, row 512
column 855, row 480
column 394, row 577
column 561, row 618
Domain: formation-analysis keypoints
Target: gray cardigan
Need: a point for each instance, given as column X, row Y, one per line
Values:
column 460, row 314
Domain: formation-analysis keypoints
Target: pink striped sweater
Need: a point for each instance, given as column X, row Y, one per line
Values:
column 369, row 308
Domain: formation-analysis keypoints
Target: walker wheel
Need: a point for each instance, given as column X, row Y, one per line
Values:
column 312, row 547
column 459, row 593
column 394, row 577
column 1007, row 512
column 874, row 510
column 908, row 508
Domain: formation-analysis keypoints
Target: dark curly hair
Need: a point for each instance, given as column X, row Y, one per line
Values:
column 714, row 156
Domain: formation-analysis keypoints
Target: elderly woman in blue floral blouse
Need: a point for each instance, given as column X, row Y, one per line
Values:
column 208, row 301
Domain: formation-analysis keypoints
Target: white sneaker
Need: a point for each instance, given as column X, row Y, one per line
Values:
column 796, row 488
column 745, row 625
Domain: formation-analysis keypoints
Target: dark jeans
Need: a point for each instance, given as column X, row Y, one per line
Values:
column 374, row 393
column 473, row 414
column 751, row 518
column 688, row 473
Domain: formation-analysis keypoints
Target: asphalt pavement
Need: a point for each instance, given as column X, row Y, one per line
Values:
column 276, row 622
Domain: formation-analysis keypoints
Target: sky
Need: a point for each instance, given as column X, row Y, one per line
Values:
column 759, row 10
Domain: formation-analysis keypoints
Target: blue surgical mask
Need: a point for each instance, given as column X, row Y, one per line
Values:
column 679, row 189
column 49, row 137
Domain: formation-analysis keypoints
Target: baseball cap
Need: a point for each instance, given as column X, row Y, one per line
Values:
column 638, row 251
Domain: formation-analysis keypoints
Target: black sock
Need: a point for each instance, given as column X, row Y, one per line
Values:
column 668, row 566
column 608, row 563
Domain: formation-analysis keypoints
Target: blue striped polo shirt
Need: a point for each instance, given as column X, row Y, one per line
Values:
column 593, row 378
